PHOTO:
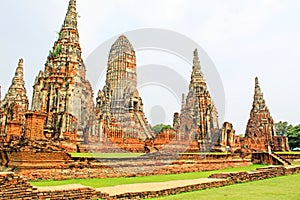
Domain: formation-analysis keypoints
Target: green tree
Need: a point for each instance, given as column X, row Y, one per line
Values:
column 282, row 128
column 160, row 127
column 294, row 136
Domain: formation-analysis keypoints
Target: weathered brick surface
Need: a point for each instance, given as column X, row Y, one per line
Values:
column 258, row 174
column 291, row 157
column 66, row 192
column 260, row 132
column 13, row 186
column 62, row 168
column 198, row 120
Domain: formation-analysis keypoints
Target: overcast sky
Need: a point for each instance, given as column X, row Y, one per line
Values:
column 243, row 38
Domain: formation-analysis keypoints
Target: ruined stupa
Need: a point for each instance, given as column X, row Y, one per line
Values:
column 260, row 132
column 119, row 101
column 198, row 119
column 61, row 89
column 14, row 106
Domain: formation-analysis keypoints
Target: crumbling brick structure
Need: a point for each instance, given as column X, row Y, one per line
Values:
column 14, row 106
column 63, row 111
column 61, row 89
column 198, row 120
column 119, row 101
column 260, row 132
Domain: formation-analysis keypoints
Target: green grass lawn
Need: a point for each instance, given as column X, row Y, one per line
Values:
column 279, row 188
column 296, row 163
column 106, row 155
column 98, row 182
column 288, row 152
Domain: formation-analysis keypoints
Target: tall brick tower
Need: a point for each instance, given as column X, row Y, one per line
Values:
column 61, row 89
column 14, row 105
column 261, row 127
column 17, row 91
column 119, row 100
column 198, row 118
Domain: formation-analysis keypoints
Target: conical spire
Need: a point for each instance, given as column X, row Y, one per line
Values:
column 67, row 47
column 258, row 99
column 17, row 91
column 257, row 87
column 121, row 64
column 197, row 77
column 18, row 78
column 69, row 29
column 71, row 16
column 260, row 124
column 121, row 46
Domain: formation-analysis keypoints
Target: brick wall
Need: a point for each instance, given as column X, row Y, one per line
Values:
column 13, row 186
column 35, row 125
column 258, row 174
column 41, row 168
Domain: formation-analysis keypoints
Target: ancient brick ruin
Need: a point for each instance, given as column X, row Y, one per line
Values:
column 63, row 115
column 119, row 107
column 14, row 106
column 61, row 91
column 260, row 132
column 198, row 120
column 36, row 142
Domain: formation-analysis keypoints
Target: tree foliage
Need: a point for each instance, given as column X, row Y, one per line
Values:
column 282, row 128
column 294, row 136
column 292, row 132
column 160, row 127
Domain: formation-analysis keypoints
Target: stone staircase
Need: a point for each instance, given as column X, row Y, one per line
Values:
column 147, row 130
column 281, row 160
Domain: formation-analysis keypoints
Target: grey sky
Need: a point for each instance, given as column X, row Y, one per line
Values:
column 243, row 38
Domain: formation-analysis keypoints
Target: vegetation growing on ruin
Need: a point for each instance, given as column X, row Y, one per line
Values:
column 160, row 127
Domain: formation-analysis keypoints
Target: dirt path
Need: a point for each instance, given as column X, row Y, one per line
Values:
column 156, row 186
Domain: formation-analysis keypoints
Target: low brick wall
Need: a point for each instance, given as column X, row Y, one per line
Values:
column 290, row 156
column 126, row 167
column 13, row 186
column 67, row 192
column 258, row 174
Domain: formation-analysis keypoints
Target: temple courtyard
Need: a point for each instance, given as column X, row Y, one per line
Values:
column 271, row 182
column 67, row 143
